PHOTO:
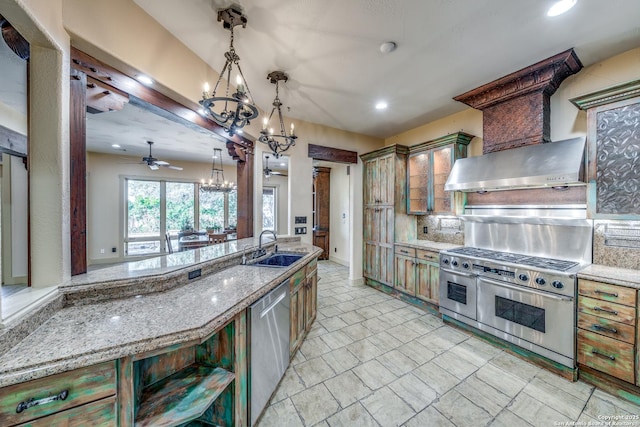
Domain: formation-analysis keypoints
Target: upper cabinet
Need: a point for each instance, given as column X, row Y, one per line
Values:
column 613, row 144
column 428, row 168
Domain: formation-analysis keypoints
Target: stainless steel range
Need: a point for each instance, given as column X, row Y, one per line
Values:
column 516, row 276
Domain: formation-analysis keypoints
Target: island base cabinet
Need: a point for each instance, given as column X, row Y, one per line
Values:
column 304, row 304
column 96, row 414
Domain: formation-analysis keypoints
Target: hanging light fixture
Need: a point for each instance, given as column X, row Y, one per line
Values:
column 217, row 183
column 237, row 108
column 278, row 143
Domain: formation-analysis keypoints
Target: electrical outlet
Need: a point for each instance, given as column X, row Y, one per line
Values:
column 101, row 251
column 425, row 230
column 335, row 249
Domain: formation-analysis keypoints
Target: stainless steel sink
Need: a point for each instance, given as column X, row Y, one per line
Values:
column 278, row 260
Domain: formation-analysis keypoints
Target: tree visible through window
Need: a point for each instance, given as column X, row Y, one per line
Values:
column 269, row 208
column 180, row 206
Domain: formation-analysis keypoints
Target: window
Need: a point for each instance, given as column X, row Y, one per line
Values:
column 157, row 207
column 269, row 208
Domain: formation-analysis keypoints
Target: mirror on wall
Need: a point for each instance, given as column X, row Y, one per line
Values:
column 275, row 193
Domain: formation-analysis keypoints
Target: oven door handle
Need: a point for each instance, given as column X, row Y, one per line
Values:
column 459, row 273
column 521, row 289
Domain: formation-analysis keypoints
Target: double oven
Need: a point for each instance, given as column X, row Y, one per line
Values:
column 516, row 277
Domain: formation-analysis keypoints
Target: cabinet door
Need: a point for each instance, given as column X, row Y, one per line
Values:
column 371, row 182
column 296, row 329
column 428, row 281
column 311, row 300
column 371, row 268
column 418, row 182
column 385, row 224
column 442, row 161
column 405, row 274
column 386, row 180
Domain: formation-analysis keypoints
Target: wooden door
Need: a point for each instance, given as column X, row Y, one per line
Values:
column 405, row 274
column 428, row 281
column 321, row 209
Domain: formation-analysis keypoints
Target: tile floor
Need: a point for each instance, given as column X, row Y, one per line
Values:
column 372, row 360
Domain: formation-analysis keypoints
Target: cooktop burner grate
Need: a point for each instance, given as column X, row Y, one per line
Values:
column 527, row 260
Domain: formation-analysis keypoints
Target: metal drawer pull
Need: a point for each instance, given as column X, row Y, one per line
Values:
column 403, row 251
column 603, row 329
column 597, row 353
column 22, row 406
column 611, row 294
column 615, row 313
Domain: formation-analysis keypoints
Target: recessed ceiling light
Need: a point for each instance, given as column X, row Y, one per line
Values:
column 388, row 47
column 115, row 145
column 283, row 164
column 381, row 105
column 560, row 7
column 145, row 80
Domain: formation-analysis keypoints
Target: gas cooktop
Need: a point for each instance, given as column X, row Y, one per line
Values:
column 526, row 260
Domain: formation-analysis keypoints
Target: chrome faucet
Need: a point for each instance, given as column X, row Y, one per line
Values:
column 244, row 257
column 275, row 239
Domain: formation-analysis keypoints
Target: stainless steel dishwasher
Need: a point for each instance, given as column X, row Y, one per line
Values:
column 269, row 345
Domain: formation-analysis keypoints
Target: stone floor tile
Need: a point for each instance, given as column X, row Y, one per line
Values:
column 341, row 360
column 502, row 381
column 461, row 411
column 330, row 311
column 291, row 384
column 368, row 312
column 373, row 374
column 557, row 399
column 404, row 333
column 602, row 403
column 578, row 389
column 387, row 408
column 397, row 362
column 515, row 366
column 354, row 415
column 314, row 371
column 326, row 301
column 417, row 352
column 390, row 319
column 406, row 313
column 346, row 388
column 336, row 339
column 451, row 363
column 441, row 339
column 357, row 332
column 346, row 306
column 281, row 414
column 375, row 325
column 419, row 326
column 535, row 412
column 414, row 392
column 430, row 417
column 314, row 347
column 298, row 358
column 316, row 330
column 483, row 395
column 437, row 378
column 364, row 350
column 384, row 341
column 352, row 317
column 480, row 351
column 314, row 404
column 333, row 324
column 507, row 418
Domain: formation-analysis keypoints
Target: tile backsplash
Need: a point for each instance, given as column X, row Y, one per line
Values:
column 616, row 243
column 445, row 229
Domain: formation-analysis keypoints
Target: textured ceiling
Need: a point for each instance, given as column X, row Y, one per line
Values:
column 329, row 48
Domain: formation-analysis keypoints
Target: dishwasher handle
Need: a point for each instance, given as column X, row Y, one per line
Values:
column 273, row 304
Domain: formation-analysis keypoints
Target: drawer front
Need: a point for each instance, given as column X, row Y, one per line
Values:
column 81, row 386
column 312, row 266
column 606, row 355
column 97, row 414
column 297, row 279
column 606, row 327
column 608, row 310
column 403, row 250
column 428, row 255
column 607, row 292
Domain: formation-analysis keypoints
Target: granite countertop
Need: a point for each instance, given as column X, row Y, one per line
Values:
column 428, row 245
column 613, row 275
column 84, row 335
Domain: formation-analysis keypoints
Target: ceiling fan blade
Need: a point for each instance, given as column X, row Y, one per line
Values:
column 278, row 173
column 178, row 168
column 154, row 167
column 161, row 163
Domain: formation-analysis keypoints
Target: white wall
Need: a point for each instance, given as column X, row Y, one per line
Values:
column 105, row 203
column 281, row 183
column 339, row 214
column 19, row 254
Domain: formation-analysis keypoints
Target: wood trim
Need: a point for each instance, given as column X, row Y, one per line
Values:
column 320, row 152
column 12, row 142
column 126, row 393
column 453, row 138
column 78, row 171
column 395, row 148
column 244, row 226
column 241, row 394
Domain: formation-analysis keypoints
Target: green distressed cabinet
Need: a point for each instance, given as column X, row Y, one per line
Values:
column 417, row 273
column 385, row 215
column 304, row 303
column 429, row 165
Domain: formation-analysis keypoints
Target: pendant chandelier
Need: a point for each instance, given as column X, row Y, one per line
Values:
column 217, row 183
column 278, row 143
column 235, row 110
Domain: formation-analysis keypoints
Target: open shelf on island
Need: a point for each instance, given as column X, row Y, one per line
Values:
column 182, row 397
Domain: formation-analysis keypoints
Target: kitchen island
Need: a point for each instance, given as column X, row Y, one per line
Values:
column 176, row 329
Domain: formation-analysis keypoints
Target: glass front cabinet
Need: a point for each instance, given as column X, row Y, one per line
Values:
column 429, row 165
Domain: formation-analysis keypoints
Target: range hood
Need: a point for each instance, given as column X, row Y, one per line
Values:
column 554, row 164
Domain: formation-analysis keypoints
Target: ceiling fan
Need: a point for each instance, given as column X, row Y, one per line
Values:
column 269, row 172
column 155, row 164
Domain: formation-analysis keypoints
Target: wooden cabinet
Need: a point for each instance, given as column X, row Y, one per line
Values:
column 63, row 399
column 321, row 192
column 417, row 273
column 607, row 319
column 429, row 165
column 385, row 216
column 304, row 304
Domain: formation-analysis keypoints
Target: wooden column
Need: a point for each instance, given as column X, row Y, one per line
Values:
column 78, row 179
column 243, row 154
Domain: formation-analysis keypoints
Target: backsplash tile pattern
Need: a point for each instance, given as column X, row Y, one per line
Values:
column 616, row 243
column 444, row 229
